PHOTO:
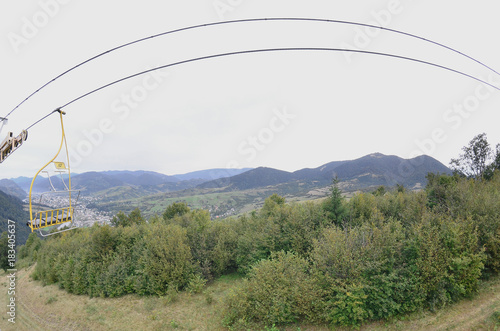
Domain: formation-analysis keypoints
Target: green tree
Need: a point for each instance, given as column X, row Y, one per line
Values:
column 272, row 204
column 134, row 217
column 30, row 249
column 176, row 209
column 440, row 189
column 496, row 161
column 334, row 204
column 4, row 251
column 380, row 191
column 494, row 166
column 473, row 162
column 166, row 259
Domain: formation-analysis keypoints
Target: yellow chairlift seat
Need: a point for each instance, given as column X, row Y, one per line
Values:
column 51, row 217
column 65, row 199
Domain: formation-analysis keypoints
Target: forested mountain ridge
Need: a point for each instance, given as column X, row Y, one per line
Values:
column 11, row 188
column 141, row 182
column 370, row 170
column 367, row 171
column 11, row 208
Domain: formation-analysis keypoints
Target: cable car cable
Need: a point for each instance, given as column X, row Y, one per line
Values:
column 262, row 51
column 246, row 21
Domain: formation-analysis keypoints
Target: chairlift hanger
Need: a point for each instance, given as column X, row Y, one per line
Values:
column 11, row 143
column 61, row 215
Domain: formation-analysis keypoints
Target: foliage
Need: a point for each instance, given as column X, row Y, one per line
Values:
column 176, row 209
column 4, row 251
column 272, row 204
column 282, row 227
column 495, row 165
column 134, row 217
column 397, row 252
column 166, row 259
column 334, row 206
column 473, row 162
column 28, row 252
column 196, row 284
column 212, row 244
column 279, row 290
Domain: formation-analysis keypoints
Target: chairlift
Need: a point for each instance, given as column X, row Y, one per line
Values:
column 10, row 143
column 61, row 216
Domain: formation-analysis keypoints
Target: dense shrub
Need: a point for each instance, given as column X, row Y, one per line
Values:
column 166, row 260
column 212, row 244
column 106, row 261
column 279, row 290
column 278, row 227
column 382, row 254
column 31, row 247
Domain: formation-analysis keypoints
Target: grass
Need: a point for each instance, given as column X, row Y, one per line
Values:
column 477, row 313
column 48, row 307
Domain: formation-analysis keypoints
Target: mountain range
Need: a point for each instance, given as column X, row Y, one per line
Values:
column 247, row 191
column 93, row 182
column 368, row 171
column 371, row 170
column 226, row 192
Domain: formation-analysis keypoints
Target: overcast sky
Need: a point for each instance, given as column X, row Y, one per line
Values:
column 286, row 110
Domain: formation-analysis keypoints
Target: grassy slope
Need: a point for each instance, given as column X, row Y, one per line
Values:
column 49, row 308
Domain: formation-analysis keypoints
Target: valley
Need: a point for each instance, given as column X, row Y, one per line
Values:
column 230, row 192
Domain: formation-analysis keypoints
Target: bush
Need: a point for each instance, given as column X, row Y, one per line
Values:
column 196, row 284
column 166, row 259
column 347, row 306
column 278, row 291
column 398, row 252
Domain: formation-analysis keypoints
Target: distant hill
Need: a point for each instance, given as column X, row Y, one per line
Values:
column 371, row 170
column 212, row 174
column 41, row 184
column 91, row 182
column 23, row 182
column 389, row 170
column 260, row 177
column 142, row 178
column 247, row 190
column 131, row 183
column 11, row 188
column 235, row 190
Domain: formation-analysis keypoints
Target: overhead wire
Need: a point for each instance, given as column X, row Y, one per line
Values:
column 219, row 55
column 246, row 21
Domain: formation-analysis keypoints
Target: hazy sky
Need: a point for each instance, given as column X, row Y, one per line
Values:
column 286, row 110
